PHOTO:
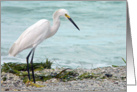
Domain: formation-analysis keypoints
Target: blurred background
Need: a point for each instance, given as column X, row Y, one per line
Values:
column 100, row 42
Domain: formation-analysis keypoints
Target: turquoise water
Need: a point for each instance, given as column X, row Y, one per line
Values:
column 100, row 42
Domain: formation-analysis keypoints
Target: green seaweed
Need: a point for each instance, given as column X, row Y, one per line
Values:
column 85, row 75
column 89, row 76
column 124, row 60
column 66, row 75
column 20, row 69
column 48, row 64
column 123, row 78
column 114, row 66
column 12, row 67
column 103, row 77
column 4, row 78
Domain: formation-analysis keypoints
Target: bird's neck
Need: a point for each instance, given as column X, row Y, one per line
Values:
column 56, row 24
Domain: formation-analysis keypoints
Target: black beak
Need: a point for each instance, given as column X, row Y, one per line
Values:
column 74, row 23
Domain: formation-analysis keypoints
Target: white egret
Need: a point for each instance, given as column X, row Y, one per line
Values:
column 35, row 34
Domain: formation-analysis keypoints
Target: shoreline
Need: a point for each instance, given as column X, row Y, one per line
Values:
column 98, row 79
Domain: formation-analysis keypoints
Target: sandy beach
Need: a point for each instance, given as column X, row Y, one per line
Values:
column 99, row 79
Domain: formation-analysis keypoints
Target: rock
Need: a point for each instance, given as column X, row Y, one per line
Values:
column 116, row 82
column 53, row 74
column 53, row 80
column 7, row 89
column 10, row 78
column 108, row 75
column 15, row 84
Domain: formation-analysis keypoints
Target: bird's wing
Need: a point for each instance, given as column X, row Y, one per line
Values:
column 33, row 35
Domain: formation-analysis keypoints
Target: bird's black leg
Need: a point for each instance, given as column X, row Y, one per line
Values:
column 27, row 59
column 32, row 66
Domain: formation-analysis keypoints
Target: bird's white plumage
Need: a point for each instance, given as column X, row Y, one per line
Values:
column 32, row 36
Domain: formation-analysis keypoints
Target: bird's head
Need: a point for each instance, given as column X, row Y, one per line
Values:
column 64, row 12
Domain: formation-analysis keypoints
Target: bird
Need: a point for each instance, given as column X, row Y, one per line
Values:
column 37, row 33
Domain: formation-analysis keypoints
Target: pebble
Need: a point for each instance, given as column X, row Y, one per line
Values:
column 108, row 75
column 53, row 80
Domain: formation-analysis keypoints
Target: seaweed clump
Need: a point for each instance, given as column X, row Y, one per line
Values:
column 16, row 67
column 20, row 69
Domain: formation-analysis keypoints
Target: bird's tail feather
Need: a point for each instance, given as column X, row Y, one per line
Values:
column 13, row 50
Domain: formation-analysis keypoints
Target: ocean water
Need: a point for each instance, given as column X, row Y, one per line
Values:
column 100, row 42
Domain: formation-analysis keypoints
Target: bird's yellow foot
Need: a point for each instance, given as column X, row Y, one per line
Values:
column 30, row 83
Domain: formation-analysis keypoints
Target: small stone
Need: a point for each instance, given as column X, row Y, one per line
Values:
column 15, row 84
column 108, row 75
column 116, row 82
column 7, row 89
column 53, row 74
column 10, row 78
column 53, row 80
